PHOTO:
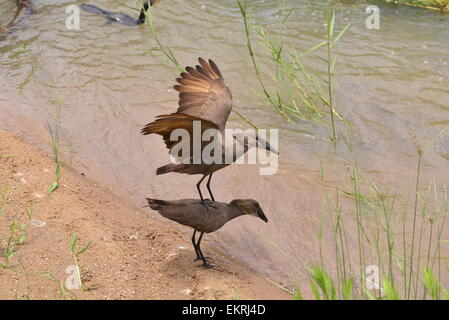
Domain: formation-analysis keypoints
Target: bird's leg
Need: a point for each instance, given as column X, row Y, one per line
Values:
column 199, row 254
column 208, row 187
column 198, row 244
column 194, row 246
column 199, row 189
column 206, row 261
column 203, row 202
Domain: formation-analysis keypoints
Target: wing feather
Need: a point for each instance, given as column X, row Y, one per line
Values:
column 203, row 93
column 165, row 124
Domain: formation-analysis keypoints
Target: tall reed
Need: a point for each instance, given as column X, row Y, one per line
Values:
column 297, row 92
column 54, row 135
column 378, row 218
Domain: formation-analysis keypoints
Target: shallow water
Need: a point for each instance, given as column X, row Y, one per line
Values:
column 392, row 84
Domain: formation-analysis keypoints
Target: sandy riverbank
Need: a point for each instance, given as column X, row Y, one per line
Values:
column 132, row 256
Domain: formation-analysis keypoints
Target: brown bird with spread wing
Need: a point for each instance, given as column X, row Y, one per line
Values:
column 203, row 97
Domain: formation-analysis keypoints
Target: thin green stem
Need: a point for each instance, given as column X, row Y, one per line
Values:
column 414, row 223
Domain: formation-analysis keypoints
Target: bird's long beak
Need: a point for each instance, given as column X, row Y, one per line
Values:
column 267, row 146
column 261, row 215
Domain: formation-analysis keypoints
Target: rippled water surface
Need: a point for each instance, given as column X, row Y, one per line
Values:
column 392, row 85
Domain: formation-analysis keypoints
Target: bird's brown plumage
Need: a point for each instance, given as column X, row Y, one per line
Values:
column 165, row 124
column 203, row 96
column 192, row 213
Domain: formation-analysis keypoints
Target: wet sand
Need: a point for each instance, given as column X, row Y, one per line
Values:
column 133, row 256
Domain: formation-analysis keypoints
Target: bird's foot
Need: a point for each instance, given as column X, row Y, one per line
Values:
column 208, row 265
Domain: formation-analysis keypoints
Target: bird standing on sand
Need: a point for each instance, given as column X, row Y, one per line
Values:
column 120, row 17
column 204, row 98
column 192, row 213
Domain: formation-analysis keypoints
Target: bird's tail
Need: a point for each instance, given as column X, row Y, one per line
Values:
column 156, row 204
column 172, row 167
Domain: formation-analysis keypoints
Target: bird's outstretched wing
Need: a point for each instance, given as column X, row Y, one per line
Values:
column 203, row 94
column 165, row 125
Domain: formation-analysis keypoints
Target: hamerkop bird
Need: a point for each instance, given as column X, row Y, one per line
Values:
column 192, row 213
column 121, row 17
column 203, row 98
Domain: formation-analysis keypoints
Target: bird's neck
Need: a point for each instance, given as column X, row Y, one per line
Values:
column 235, row 212
column 141, row 18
